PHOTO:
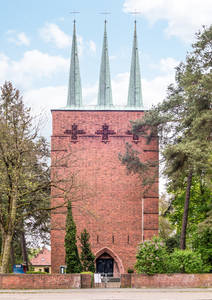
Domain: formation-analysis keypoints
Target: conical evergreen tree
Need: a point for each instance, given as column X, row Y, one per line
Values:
column 72, row 256
column 87, row 257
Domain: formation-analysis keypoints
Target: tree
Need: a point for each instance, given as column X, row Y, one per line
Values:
column 72, row 256
column 200, row 201
column 23, row 169
column 202, row 240
column 87, row 257
column 184, row 123
column 166, row 229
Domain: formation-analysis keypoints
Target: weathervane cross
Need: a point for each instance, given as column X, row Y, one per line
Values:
column 105, row 13
column 74, row 14
column 135, row 13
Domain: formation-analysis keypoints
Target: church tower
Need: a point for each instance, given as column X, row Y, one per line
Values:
column 86, row 142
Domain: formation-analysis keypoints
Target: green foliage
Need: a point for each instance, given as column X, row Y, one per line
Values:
column 36, row 272
column 24, row 173
column 166, row 229
column 87, row 257
column 186, row 261
column 172, row 243
column 72, row 256
column 152, row 257
column 130, row 271
column 200, row 200
column 202, row 240
column 183, row 122
column 86, row 272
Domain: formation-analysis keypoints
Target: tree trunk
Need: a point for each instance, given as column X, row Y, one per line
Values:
column 185, row 213
column 10, row 231
column 12, row 256
column 24, row 250
column 6, row 253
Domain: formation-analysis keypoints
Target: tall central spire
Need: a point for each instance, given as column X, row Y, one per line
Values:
column 105, row 92
column 135, row 93
column 74, row 85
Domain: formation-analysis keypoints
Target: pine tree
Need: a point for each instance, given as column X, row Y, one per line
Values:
column 87, row 257
column 183, row 122
column 72, row 256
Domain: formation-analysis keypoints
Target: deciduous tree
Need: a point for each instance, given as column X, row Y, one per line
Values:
column 23, row 168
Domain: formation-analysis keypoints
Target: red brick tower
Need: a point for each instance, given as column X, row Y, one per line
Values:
column 109, row 203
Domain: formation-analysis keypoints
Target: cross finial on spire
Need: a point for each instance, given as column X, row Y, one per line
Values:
column 74, row 14
column 135, row 13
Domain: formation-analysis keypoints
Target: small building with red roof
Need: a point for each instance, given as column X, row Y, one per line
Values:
column 42, row 261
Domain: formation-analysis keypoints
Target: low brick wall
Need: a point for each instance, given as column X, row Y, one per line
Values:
column 171, row 281
column 86, row 281
column 69, row 281
column 40, row 281
column 126, row 280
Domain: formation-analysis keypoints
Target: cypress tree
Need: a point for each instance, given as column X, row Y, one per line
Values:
column 87, row 257
column 72, row 256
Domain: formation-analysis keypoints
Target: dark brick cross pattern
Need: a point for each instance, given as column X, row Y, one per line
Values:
column 135, row 136
column 74, row 132
column 105, row 132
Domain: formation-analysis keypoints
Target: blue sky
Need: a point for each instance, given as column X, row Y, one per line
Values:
column 36, row 45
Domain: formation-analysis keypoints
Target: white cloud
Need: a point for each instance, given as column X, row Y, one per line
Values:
column 42, row 100
column 184, row 17
column 120, row 88
column 34, row 65
column 153, row 91
column 18, row 38
column 23, row 39
column 51, row 33
column 168, row 65
column 112, row 57
column 90, row 94
column 92, row 46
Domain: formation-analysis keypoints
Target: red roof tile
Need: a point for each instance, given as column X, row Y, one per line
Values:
column 43, row 258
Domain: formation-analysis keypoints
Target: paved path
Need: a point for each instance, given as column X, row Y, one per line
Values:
column 108, row 294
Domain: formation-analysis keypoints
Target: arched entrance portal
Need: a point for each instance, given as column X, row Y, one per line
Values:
column 108, row 262
column 105, row 265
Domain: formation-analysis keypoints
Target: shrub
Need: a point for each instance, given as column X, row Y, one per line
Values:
column 152, row 257
column 172, row 243
column 186, row 261
column 129, row 271
column 36, row 272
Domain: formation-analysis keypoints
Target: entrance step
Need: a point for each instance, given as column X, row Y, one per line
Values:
column 109, row 285
column 109, row 282
column 113, row 279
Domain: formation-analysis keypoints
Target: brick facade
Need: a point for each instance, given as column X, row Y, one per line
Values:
column 106, row 200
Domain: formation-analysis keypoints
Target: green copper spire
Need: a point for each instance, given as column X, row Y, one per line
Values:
column 74, row 84
column 105, row 92
column 134, row 93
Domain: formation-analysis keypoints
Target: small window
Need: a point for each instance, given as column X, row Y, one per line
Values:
column 46, row 270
